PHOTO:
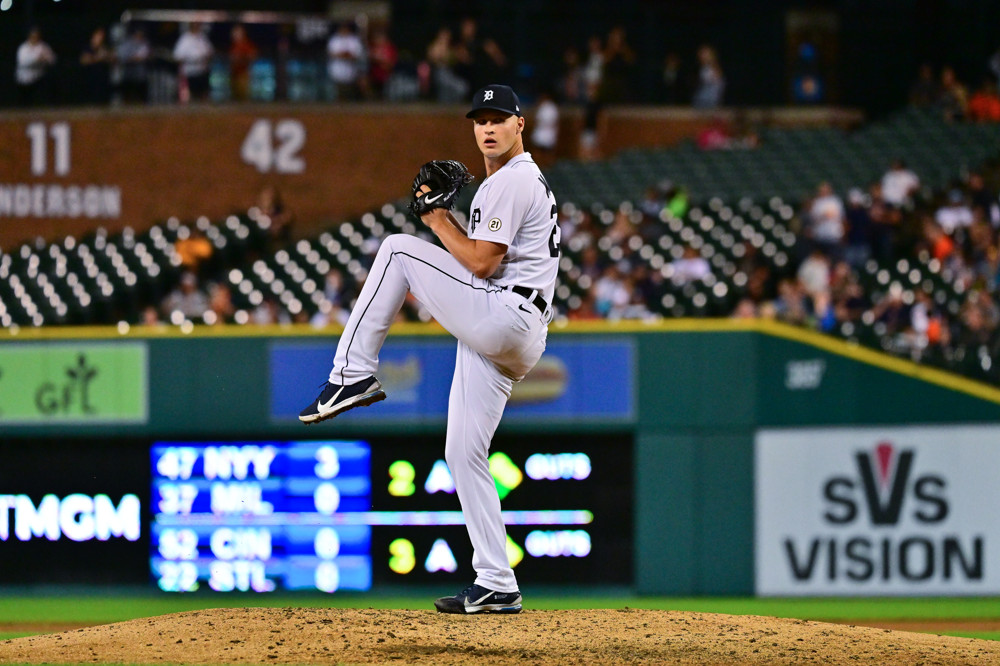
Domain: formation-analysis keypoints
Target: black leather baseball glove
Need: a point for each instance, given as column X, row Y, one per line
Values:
column 445, row 178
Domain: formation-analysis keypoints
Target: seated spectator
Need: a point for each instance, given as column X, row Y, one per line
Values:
column 636, row 306
column 715, row 135
column 916, row 336
column 899, row 184
column 647, row 284
column 186, row 302
column 886, row 220
column 892, row 311
column 791, row 305
column 96, row 60
column 651, row 228
column 672, row 79
column 859, row 229
column 814, row 278
column 745, row 309
column 925, row 91
column 814, row 274
column 622, row 228
column 242, row 53
column 133, row 55
column 619, row 61
column 826, row 221
column 593, row 68
column 980, row 317
column 954, row 214
column 337, row 301
column 441, row 56
column 610, row 291
column 34, row 58
column 271, row 204
column 981, row 249
column 150, row 317
column 954, row 99
column 269, row 312
column 982, row 197
column 586, row 311
column 678, row 201
column 940, row 244
column 652, row 202
column 346, row 53
column 984, row 105
column 711, row 81
column 335, row 291
column 590, row 263
column 570, row 84
column 193, row 248
column 760, row 283
column 193, row 53
column 545, row 134
column 220, row 304
column 409, row 80
column 382, row 58
column 479, row 61
column 990, row 270
column 690, row 267
column 847, row 294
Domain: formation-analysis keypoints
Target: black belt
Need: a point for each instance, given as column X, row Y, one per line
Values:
column 537, row 301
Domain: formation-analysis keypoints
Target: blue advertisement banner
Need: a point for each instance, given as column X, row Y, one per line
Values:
column 576, row 379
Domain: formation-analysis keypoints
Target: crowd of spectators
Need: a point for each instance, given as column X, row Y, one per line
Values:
column 359, row 62
column 205, row 61
column 944, row 91
column 830, row 283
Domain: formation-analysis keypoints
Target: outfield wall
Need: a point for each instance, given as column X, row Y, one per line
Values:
column 214, row 160
column 765, row 459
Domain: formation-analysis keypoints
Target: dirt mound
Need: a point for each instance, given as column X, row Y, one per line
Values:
column 310, row 635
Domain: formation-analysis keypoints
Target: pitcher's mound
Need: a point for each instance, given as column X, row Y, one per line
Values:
column 310, row 635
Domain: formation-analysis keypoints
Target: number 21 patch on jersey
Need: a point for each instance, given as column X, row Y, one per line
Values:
column 494, row 224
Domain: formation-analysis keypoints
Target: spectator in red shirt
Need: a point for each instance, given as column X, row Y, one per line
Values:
column 984, row 105
column 382, row 54
column 941, row 244
column 242, row 53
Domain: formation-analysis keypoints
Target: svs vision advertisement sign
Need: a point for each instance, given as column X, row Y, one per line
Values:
column 878, row 511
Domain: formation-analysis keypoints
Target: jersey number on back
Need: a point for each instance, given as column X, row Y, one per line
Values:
column 556, row 235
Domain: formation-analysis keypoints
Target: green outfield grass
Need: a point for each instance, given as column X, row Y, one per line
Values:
column 102, row 609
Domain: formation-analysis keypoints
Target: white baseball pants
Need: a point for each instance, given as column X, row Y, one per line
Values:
column 500, row 338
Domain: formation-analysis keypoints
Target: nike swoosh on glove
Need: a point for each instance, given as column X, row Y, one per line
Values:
column 445, row 178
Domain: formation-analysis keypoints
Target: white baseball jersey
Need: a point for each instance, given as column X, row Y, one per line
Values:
column 515, row 207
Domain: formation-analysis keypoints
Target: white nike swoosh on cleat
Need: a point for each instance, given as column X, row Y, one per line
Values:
column 433, row 199
column 322, row 407
column 479, row 601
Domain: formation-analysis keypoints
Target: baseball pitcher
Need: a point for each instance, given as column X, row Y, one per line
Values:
column 492, row 289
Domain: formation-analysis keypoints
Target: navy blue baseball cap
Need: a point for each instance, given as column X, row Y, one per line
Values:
column 497, row 98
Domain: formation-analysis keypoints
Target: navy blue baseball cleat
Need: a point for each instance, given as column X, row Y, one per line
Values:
column 477, row 599
column 335, row 399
